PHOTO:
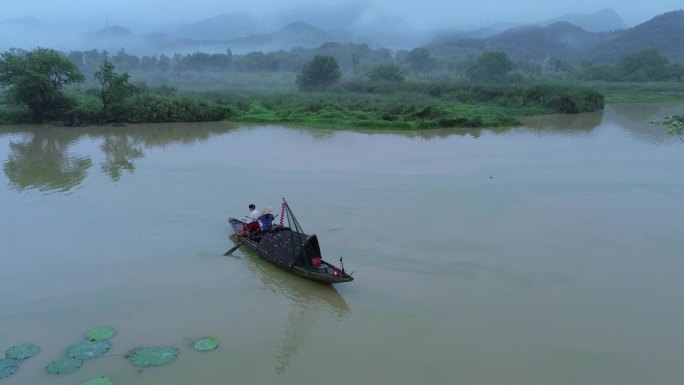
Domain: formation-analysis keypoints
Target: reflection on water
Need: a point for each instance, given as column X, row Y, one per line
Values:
column 310, row 300
column 635, row 120
column 567, row 124
column 42, row 160
column 45, row 158
column 120, row 151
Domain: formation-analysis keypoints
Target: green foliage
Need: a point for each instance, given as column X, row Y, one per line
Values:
column 675, row 124
column 153, row 107
column 114, row 89
column 388, row 72
column 321, row 72
column 420, row 60
column 490, row 67
column 85, row 350
column 8, row 366
column 99, row 381
column 644, row 66
column 22, row 352
column 100, row 333
column 415, row 105
column 647, row 64
column 206, row 343
column 64, row 366
column 35, row 79
column 152, row 356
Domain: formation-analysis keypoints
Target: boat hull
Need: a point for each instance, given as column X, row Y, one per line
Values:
column 267, row 246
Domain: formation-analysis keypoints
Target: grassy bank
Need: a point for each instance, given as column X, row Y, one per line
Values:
column 410, row 106
column 350, row 104
column 646, row 92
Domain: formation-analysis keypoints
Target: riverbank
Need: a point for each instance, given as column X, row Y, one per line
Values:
column 359, row 104
column 352, row 104
column 414, row 106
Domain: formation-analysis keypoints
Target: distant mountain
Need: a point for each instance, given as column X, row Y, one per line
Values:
column 664, row 33
column 385, row 29
column 335, row 16
column 221, row 27
column 298, row 34
column 564, row 41
column 114, row 31
column 24, row 22
column 560, row 40
column 602, row 21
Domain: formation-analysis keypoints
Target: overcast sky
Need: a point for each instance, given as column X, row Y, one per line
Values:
column 423, row 13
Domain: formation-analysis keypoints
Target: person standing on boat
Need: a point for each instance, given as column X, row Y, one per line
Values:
column 266, row 219
column 252, row 226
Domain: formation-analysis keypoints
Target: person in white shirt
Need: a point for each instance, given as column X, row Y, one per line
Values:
column 253, row 226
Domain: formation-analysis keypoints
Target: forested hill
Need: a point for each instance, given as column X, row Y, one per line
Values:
column 664, row 33
column 560, row 40
column 567, row 42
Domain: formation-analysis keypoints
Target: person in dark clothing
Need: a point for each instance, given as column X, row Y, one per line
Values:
column 266, row 219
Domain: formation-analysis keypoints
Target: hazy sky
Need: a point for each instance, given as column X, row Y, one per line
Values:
column 458, row 14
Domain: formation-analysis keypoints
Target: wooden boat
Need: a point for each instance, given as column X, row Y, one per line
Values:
column 288, row 247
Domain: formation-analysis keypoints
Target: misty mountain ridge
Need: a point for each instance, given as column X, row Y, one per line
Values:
column 297, row 34
column 602, row 21
column 560, row 40
column 347, row 22
column 222, row 27
column 663, row 32
column 567, row 42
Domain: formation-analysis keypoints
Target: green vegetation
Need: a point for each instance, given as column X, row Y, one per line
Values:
column 385, row 72
column 318, row 74
column 643, row 66
column 643, row 92
column 36, row 79
column 413, row 105
column 344, row 86
column 152, row 356
column 675, row 123
column 490, row 67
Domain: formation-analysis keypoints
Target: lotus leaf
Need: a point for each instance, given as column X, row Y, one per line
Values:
column 8, row 366
column 152, row 356
column 100, row 333
column 63, row 366
column 99, row 381
column 206, row 343
column 87, row 349
column 2, row 356
column 23, row 351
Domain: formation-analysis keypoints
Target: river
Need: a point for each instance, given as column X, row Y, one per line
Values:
column 549, row 253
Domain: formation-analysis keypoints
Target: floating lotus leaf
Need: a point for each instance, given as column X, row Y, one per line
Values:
column 23, row 351
column 2, row 356
column 206, row 343
column 99, row 381
column 63, row 366
column 100, row 333
column 8, row 366
column 87, row 349
column 152, row 356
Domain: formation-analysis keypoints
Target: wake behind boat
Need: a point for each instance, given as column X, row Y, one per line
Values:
column 288, row 247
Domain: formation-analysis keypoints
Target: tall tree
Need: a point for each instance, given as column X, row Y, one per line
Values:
column 321, row 72
column 35, row 79
column 490, row 67
column 388, row 72
column 420, row 60
column 114, row 89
